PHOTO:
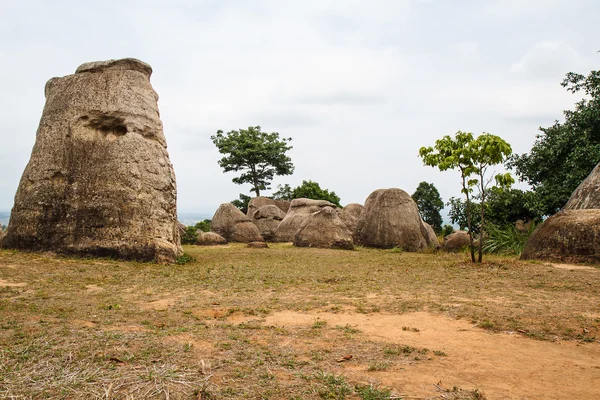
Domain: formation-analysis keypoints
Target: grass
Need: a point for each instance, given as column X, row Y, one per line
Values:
column 100, row 328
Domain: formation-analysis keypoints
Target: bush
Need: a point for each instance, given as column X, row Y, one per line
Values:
column 447, row 230
column 203, row 226
column 506, row 239
column 190, row 235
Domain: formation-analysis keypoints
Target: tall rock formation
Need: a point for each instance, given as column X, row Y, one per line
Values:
column 99, row 180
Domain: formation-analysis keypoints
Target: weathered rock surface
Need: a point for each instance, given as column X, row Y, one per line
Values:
column 99, row 180
column 429, row 234
column 390, row 219
column 258, row 202
column 234, row 225
column 209, row 239
column 300, row 210
column 351, row 214
column 568, row 236
column 324, row 229
column 587, row 194
column 457, row 241
column 267, row 220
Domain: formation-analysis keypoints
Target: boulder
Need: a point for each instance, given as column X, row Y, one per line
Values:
column 99, row 180
column 351, row 214
column 181, row 227
column 209, row 239
column 258, row 202
column 429, row 234
column 267, row 219
column 300, row 210
column 571, row 236
column 457, row 241
column 390, row 219
column 324, row 229
column 587, row 194
column 234, row 225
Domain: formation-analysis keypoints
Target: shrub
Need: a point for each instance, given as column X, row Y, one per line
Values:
column 506, row 239
column 203, row 226
column 447, row 230
column 190, row 235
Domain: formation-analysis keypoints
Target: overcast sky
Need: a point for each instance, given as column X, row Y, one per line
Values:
column 358, row 85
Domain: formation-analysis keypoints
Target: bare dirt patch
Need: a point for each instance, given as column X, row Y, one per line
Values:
column 507, row 366
column 573, row 267
column 11, row 284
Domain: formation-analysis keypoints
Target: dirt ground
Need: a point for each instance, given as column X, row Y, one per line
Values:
column 288, row 323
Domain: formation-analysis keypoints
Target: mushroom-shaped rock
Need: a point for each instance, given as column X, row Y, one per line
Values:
column 258, row 202
column 429, row 234
column 351, row 214
column 457, row 241
column 568, row 236
column 587, row 194
column 234, row 225
column 324, row 229
column 390, row 219
column 267, row 219
column 209, row 239
column 99, row 180
column 300, row 210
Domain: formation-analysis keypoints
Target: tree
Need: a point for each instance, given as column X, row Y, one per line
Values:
column 259, row 155
column 507, row 205
column 309, row 190
column 242, row 202
column 429, row 203
column 457, row 212
column 472, row 157
column 203, row 226
column 564, row 154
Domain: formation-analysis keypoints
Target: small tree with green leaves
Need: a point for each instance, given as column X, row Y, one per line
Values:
column 259, row 155
column 429, row 203
column 472, row 157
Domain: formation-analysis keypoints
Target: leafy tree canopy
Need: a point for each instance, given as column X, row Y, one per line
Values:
column 309, row 190
column 429, row 203
column 507, row 205
column 258, row 155
column 564, row 153
column 242, row 202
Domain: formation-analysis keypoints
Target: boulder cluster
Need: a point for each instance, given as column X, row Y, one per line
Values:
column 572, row 234
column 388, row 219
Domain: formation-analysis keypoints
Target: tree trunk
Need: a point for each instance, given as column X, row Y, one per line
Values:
column 480, row 256
column 471, row 246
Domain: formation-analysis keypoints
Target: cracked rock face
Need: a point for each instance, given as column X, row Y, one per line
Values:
column 99, row 180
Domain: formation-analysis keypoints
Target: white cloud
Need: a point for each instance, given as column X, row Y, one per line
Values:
column 549, row 60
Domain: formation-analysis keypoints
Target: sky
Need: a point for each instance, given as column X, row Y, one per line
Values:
column 359, row 86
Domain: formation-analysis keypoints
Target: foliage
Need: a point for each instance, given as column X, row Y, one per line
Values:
column 506, row 239
column 457, row 213
column 507, row 205
column 259, row 155
column 564, row 153
column 203, row 226
column 185, row 258
column 308, row 190
column 472, row 157
column 190, row 235
column 283, row 193
column 429, row 203
column 242, row 202
column 447, row 230
column 371, row 392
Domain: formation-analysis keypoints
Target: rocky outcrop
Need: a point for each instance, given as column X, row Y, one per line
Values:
column 351, row 214
column 258, row 202
column 390, row 219
column 99, row 180
column 457, row 241
column 234, row 226
column 587, row 194
column 209, row 239
column 300, row 210
column 568, row 236
column 429, row 235
column 267, row 220
column 324, row 229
